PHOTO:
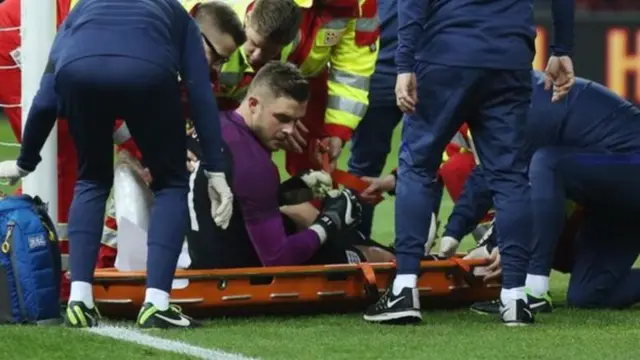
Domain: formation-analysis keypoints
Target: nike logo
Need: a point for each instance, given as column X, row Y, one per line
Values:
column 347, row 216
column 537, row 305
column 91, row 318
column 391, row 303
column 182, row 322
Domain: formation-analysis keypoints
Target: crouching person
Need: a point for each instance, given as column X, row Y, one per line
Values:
column 601, row 272
column 262, row 231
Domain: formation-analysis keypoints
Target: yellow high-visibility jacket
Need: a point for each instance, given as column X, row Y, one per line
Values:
column 344, row 38
column 346, row 41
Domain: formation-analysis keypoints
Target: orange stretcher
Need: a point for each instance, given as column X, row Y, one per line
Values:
column 294, row 289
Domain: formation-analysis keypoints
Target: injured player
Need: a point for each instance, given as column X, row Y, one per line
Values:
column 262, row 231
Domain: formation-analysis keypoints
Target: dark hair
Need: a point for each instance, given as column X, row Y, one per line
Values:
column 282, row 80
column 219, row 15
column 277, row 20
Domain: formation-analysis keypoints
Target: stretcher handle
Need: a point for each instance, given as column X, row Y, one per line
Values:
column 342, row 177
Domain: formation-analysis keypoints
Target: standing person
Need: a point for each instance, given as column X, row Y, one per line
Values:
column 371, row 141
column 464, row 60
column 119, row 59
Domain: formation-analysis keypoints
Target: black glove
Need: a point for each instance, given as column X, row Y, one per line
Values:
column 294, row 191
column 340, row 213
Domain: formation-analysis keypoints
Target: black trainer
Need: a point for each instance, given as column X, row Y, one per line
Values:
column 79, row 315
column 537, row 305
column 543, row 304
column 403, row 308
column 486, row 307
column 152, row 317
column 516, row 313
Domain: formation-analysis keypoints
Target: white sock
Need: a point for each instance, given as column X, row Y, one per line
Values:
column 537, row 284
column 404, row 281
column 82, row 291
column 507, row 295
column 159, row 298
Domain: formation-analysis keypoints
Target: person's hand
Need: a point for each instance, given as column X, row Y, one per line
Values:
column 480, row 252
column 334, row 149
column 221, row 198
column 559, row 75
column 11, row 172
column 377, row 186
column 494, row 269
column 448, row 246
column 406, row 92
column 296, row 140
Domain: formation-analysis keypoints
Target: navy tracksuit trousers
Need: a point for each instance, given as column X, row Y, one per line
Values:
column 93, row 93
column 607, row 245
column 495, row 104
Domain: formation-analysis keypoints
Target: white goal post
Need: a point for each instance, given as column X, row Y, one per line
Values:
column 37, row 31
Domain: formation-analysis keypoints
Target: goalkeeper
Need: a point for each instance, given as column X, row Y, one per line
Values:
column 119, row 59
column 261, row 232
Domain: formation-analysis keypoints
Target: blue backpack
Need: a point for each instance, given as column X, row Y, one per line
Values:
column 30, row 264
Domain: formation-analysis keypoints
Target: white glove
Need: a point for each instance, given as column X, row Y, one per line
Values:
column 448, row 246
column 11, row 172
column 319, row 182
column 221, row 198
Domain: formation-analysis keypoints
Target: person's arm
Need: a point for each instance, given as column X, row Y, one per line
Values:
column 263, row 222
column 474, row 203
column 44, row 108
column 352, row 62
column 411, row 20
column 204, row 110
column 42, row 117
column 563, row 27
column 275, row 248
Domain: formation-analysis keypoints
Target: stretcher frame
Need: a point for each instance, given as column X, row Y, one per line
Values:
column 444, row 283
column 294, row 289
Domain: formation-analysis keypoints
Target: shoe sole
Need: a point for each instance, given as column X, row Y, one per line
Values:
column 399, row 317
column 485, row 313
column 489, row 313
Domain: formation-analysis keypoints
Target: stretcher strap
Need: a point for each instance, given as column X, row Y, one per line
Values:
column 370, row 284
column 466, row 271
column 342, row 177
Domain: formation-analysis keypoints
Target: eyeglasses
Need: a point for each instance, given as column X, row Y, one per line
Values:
column 217, row 59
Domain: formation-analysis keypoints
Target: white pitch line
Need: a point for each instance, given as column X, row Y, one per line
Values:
column 180, row 347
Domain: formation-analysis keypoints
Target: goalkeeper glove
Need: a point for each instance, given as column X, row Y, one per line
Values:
column 340, row 213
